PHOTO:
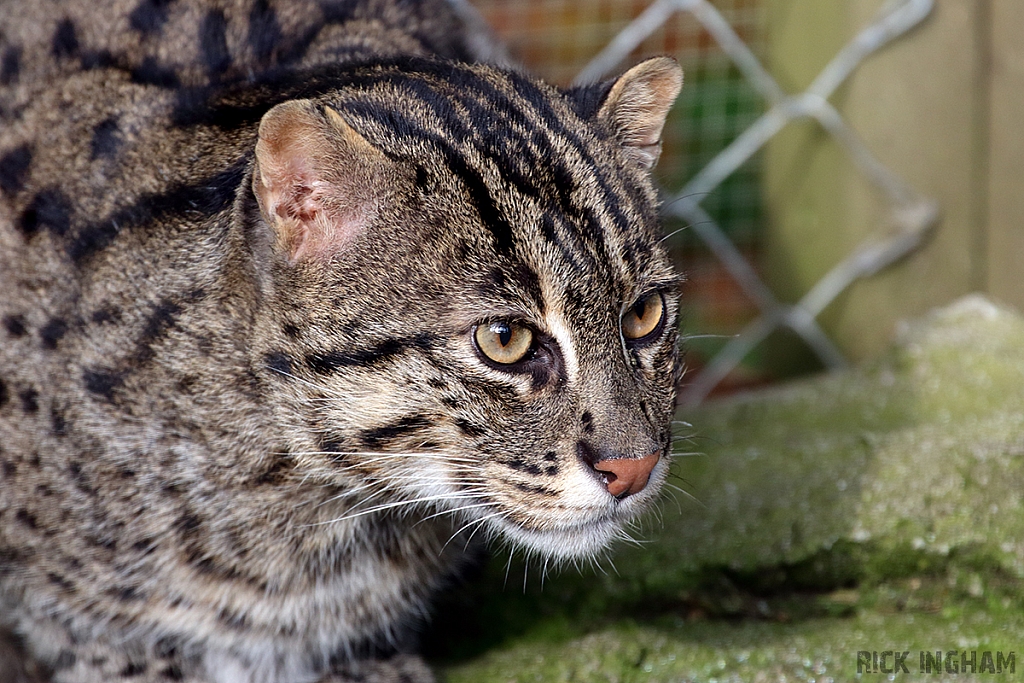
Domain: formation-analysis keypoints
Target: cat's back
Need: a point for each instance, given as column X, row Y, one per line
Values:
column 190, row 43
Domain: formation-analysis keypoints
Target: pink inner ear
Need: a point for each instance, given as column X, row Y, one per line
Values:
column 317, row 180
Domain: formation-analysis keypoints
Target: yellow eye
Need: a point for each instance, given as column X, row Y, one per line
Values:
column 504, row 342
column 643, row 317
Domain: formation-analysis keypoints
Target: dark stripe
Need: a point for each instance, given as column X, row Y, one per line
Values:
column 529, row 280
column 278, row 361
column 206, row 197
column 469, row 429
column 15, row 325
column 264, row 31
column 10, row 65
column 325, row 363
column 103, row 382
column 520, row 465
column 49, row 209
column 535, row 489
column 65, row 40
column 213, row 43
column 149, row 16
column 106, row 139
column 52, row 332
column 162, row 317
column 379, row 437
column 531, row 93
column 152, row 72
column 14, row 167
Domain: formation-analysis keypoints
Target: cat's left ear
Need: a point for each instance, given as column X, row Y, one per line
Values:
column 635, row 105
column 318, row 182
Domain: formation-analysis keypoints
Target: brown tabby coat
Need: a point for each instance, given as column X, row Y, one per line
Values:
column 242, row 411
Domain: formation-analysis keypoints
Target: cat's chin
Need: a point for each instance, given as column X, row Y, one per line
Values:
column 570, row 543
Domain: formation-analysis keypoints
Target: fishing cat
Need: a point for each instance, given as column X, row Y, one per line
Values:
column 294, row 307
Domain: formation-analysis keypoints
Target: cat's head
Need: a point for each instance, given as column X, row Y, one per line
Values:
column 479, row 316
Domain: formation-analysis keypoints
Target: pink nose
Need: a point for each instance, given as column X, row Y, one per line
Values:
column 626, row 476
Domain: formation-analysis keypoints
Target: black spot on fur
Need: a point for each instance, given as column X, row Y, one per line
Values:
column 49, row 209
column 60, row 581
column 151, row 72
column 166, row 648
column 59, row 422
column 133, row 669
column 232, row 619
column 380, row 437
column 588, row 422
column 65, row 660
column 535, row 489
column 97, row 59
column 15, row 325
column 14, row 167
column 207, row 196
column 8, row 468
column 291, row 331
column 10, row 65
column 103, row 383
column 213, row 44
column 332, row 446
column 279, row 362
column 149, row 16
column 26, row 518
column 382, row 351
column 521, row 465
column 276, row 472
column 172, row 673
column 65, row 40
column 4, row 394
column 188, row 525
column 161, row 318
column 107, row 314
column 468, row 428
column 29, row 400
column 264, row 31
column 125, row 594
column 106, row 139
column 551, row 456
column 52, row 332
column 338, row 12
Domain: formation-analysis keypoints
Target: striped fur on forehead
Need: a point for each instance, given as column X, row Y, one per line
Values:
column 540, row 178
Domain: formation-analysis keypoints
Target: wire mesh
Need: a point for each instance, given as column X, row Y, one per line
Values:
column 730, row 109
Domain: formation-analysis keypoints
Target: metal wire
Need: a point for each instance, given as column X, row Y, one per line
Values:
column 910, row 218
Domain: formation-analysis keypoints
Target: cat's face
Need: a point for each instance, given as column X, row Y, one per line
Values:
column 489, row 316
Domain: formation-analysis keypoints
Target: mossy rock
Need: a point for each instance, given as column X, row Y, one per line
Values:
column 873, row 509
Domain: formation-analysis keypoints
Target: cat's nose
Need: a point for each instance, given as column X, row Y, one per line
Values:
column 626, row 476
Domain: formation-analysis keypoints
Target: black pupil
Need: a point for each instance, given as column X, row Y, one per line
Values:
column 640, row 308
column 504, row 333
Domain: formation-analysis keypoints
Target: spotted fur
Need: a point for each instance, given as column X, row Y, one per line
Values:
column 242, row 412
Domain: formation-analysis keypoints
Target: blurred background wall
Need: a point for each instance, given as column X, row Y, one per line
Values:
column 940, row 107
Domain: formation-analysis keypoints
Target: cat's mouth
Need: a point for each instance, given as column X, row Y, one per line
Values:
column 581, row 527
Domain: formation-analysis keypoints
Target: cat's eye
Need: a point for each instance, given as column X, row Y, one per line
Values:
column 643, row 318
column 504, row 342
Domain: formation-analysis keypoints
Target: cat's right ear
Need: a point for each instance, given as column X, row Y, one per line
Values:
column 634, row 106
column 317, row 180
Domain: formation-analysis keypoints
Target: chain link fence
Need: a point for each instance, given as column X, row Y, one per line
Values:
column 731, row 108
